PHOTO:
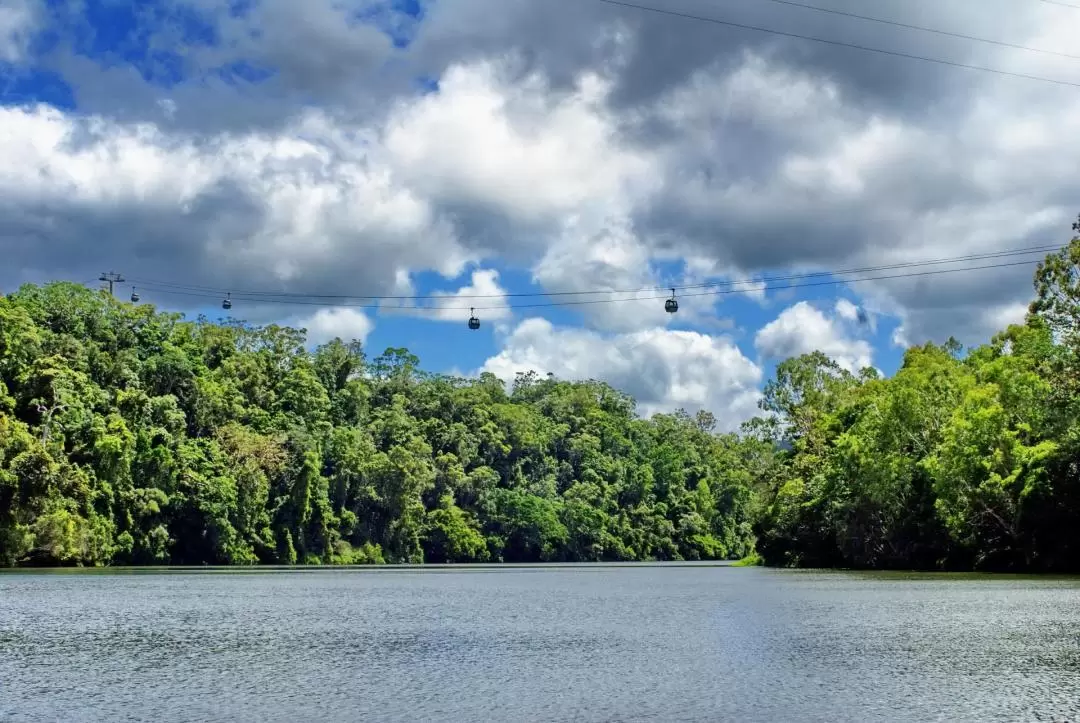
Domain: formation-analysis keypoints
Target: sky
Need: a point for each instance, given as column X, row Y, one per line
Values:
column 477, row 152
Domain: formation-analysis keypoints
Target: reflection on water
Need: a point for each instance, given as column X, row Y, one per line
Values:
column 619, row 643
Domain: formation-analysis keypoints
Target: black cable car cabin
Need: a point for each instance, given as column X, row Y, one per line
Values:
column 671, row 305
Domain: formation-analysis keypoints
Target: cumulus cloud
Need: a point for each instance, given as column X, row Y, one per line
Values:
column 594, row 265
column 307, row 208
column 663, row 369
column 336, row 323
column 802, row 329
column 986, row 318
column 319, row 201
column 510, row 144
column 847, row 310
column 537, row 175
column 773, row 167
column 484, row 293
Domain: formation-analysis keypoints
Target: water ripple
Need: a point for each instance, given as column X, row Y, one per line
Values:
column 554, row 644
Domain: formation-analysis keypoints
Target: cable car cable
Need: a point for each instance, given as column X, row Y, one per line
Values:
column 705, row 285
column 715, row 292
column 839, row 43
column 924, row 29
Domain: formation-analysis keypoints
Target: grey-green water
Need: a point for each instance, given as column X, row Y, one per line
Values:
column 622, row 643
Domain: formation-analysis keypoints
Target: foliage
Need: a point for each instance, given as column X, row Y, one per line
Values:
column 956, row 462
column 133, row 437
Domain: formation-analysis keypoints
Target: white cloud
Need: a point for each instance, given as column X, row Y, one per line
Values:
column 320, row 202
column 702, row 271
column 802, row 329
column 899, row 338
column 585, row 258
column 988, row 318
column 708, row 107
column 663, row 369
column 847, row 310
column 18, row 22
column 305, row 207
column 511, row 144
column 812, row 177
column 506, row 150
column 1004, row 315
column 484, row 293
column 342, row 322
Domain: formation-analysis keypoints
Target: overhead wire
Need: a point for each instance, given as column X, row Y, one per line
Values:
column 284, row 296
column 924, row 29
column 838, row 43
column 587, row 302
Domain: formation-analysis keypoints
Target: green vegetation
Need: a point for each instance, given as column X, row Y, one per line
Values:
column 754, row 559
column 133, row 437
column 129, row 436
column 957, row 462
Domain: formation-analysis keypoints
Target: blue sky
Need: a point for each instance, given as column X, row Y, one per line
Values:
column 463, row 146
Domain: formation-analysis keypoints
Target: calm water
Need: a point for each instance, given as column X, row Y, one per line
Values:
column 592, row 643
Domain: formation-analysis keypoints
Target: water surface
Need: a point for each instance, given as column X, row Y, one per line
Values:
column 555, row 643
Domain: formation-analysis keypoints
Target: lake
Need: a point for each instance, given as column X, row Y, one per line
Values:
column 552, row 643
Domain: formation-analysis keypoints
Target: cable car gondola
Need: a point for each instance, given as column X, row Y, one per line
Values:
column 134, row 296
column 474, row 323
column 227, row 302
column 671, row 305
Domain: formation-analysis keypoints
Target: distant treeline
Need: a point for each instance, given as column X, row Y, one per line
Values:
column 129, row 436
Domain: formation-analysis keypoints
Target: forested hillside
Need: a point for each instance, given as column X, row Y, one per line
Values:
column 132, row 437
column 129, row 436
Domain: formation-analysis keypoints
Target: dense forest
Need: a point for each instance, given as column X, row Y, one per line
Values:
column 129, row 436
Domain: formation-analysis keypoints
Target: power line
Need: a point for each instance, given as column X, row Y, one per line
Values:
column 835, row 282
column 587, row 302
column 839, row 43
column 282, row 296
column 886, row 267
column 1064, row 5
column 924, row 29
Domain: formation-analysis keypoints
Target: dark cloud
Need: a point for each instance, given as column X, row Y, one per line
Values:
column 557, row 37
column 562, row 38
column 79, row 240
